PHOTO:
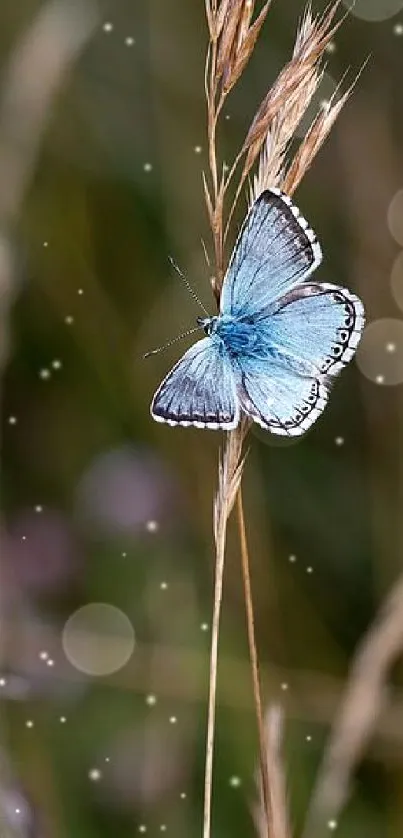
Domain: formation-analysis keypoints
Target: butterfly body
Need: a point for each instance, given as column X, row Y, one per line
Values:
column 238, row 336
column 278, row 340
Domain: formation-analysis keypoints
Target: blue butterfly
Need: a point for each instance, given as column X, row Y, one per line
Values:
column 278, row 340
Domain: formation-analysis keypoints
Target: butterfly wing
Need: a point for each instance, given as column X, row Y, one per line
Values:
column 318, row 326
column 276, row 250
column 311, row 336
column 277, row 398
column 199, row 390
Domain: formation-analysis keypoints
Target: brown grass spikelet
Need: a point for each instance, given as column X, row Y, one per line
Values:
column 233, row 36
column 312, row 38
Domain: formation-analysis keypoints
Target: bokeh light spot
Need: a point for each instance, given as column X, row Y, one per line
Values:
column 380, row 353
column 98, row 639
column 395, row 217
column 235, row 782
column 396, row 280
column 373, row 10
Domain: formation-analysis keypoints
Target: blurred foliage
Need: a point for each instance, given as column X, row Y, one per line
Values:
column 117, row 189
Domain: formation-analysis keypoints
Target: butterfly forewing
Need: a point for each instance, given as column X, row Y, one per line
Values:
column 276, row 250
column 199, row 390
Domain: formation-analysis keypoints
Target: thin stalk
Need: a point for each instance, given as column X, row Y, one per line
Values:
column 218, row 586
column 263, row 744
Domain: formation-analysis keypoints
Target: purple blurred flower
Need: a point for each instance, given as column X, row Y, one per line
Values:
column 125, row 488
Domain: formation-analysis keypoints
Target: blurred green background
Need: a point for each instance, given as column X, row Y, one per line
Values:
column 101, row 505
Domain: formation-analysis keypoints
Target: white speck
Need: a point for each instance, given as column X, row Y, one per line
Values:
column 152, row 526
column 292, row 558
column 339, row 440
column 45, row 244
column 50, row 662
column 163, row 586
column 183, row 795
column 3, row 682
column 17, row 811
column 62, row 720
column 235, row 782
column 129, row 41
column 173, row 720
column 380, row 379
column 163, row 827
column 107, row 759
column 29, row 723
column 147, row 167
column 12, row 420
column 80, row 291
column 44, row 374
column 227, row 116
column 284, row 686
column 330, row 47
column 39, row 508
column 69, row 320
column 198, row 149
column 308, row 738
column 390, row 347
column 108, row 26
column 44, row 655
column 204, row 626
column 309, row 569
column 95, row 774
column 124, row 555
column 398, row 29
column 225, row 167
column 56, row 364
column 142, row 827
column 332, row 824
column 23, row 538
column 151, row 700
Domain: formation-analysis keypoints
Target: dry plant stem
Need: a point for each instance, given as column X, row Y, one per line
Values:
column 218, row 585
column 364, row 698
column 230, row 471
column 232, row 40
column 265, row 759
column 278, row 789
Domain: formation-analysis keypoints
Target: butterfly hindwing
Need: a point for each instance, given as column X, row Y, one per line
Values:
column 276, row 250
column 311, row 336
column 277, row 398
column 199, row 390
column 319, row 325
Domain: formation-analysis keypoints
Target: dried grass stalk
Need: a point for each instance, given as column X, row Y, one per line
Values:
column 363, row 701
column 278, row 790
column 233, row 35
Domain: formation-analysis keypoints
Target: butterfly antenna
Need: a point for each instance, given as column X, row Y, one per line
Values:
column 188, row 285
column 170, row 342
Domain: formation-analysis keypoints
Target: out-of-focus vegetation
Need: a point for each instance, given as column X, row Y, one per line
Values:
column 101, row 505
